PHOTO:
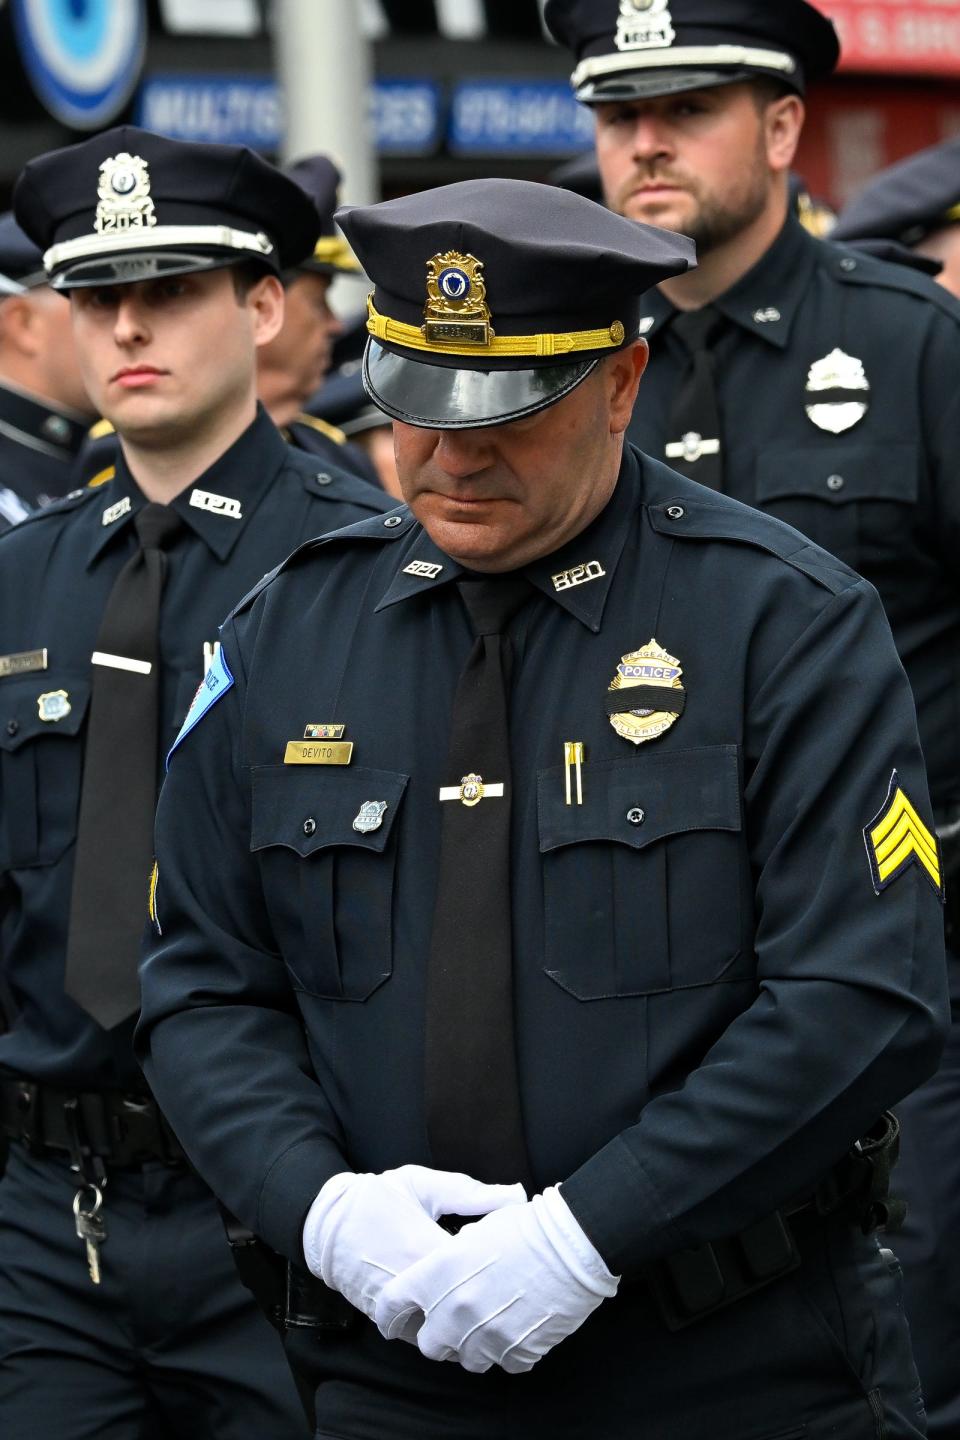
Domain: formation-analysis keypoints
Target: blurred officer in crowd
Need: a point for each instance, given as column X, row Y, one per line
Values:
column 817, row 383
column 915, row 203
column 344, row 400
column 118, row 1298
column 293, row 366
column 44, row 409
column 568, row 675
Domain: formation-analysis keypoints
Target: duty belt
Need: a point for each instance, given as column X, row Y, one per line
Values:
column 119, row 1129
column 689, row 1285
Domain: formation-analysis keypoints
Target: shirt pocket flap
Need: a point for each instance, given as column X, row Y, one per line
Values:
column 641, row 798
column 839, row 474
column 309, row 808
column 39, row 705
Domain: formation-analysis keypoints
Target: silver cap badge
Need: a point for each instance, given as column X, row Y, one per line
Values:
column 644, row 25
column 123, row 194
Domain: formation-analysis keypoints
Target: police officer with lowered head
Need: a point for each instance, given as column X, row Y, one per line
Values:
column 817, row 383
column 119, row 1305
column 916, row 204
column 574, row 870
column 44, row 409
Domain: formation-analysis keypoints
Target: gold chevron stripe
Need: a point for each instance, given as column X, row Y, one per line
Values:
column 897, row 837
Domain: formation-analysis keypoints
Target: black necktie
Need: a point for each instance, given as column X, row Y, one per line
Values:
column 694, row 434
column 472, row 1090
column 119, row 793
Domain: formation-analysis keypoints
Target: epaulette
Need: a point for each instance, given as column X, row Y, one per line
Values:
column 331, row 431
column 691, row 513
column 380, row 527
column 854, row 267
column 62, row 506
column 101, row 430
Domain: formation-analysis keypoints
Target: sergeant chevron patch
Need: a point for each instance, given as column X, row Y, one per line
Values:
column 896, row 838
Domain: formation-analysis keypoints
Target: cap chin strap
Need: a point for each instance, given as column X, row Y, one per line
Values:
column 669, row 58
column 153, row 237
column 412, row 337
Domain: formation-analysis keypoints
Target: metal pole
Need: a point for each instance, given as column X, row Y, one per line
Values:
column 325, row 70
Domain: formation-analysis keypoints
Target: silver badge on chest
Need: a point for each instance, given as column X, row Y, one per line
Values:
column 370, row 816
column 837, row 392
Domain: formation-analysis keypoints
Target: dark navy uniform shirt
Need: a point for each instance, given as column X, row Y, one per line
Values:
column 882, row 495
column 328, row 442
column 56, row 572
column 38, row 446
column 698, row 947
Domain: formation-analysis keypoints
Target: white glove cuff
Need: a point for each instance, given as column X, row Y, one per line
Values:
column 568, row 1239
column 318, row 1213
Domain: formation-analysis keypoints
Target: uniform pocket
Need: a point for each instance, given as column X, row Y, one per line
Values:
column 41, row 764
column 642, row 884
column 327, row 845
column 849, row 499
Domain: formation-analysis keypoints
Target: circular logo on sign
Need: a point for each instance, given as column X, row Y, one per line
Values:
column 83, row 57
column 454, row 283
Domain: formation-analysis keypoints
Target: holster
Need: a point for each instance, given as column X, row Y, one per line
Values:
column 689, row 1285
column 298, row 1305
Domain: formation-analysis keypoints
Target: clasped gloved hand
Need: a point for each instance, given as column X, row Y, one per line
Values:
column 503, row 1292
column 362, row 1230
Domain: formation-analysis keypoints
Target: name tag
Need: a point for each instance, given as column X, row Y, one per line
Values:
column 305, row 752
column 24, row 662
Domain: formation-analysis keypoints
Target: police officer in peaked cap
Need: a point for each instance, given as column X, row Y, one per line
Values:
column 576, row 905
column 121, row 1312
column 44, row 409
column 292, row 367
column 915, row 203
column 815, row 382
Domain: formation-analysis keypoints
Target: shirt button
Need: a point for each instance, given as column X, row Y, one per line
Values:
column 13, row 726
column 636, row 816
column 835, row 482
column 310, row 826
column 675, row 512
column 392, row 521
column 848, row 264
column 324, row 479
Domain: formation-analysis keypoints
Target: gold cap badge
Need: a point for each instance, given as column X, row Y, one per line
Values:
column 456, row 308
column 660, row 700
column 123, row 194
column 644, row 25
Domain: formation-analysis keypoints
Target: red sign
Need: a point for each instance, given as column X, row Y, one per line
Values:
column 898, row 38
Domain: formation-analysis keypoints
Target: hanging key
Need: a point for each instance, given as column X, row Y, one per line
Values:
column 91, row 1227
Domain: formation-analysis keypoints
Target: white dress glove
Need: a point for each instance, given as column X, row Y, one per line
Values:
column 502, row 1292
column 362, row 1230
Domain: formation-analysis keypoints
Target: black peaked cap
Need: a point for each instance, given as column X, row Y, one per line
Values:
column 631, row 49
column 494, row 297
column 127, row 203
column 908, row 200
column 319, row 177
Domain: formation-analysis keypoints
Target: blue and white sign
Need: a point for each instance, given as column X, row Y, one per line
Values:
column 83, row 57
column 510, row 118
column 216, row 109
column 406, row 117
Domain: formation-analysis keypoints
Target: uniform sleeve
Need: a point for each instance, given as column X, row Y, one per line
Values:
column 220, row 1038
column 850, row 1009
column 941, row 397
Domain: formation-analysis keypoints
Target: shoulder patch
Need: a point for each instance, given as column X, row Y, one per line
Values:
column 212, row 688
column 897, row 838
column 332, row 432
